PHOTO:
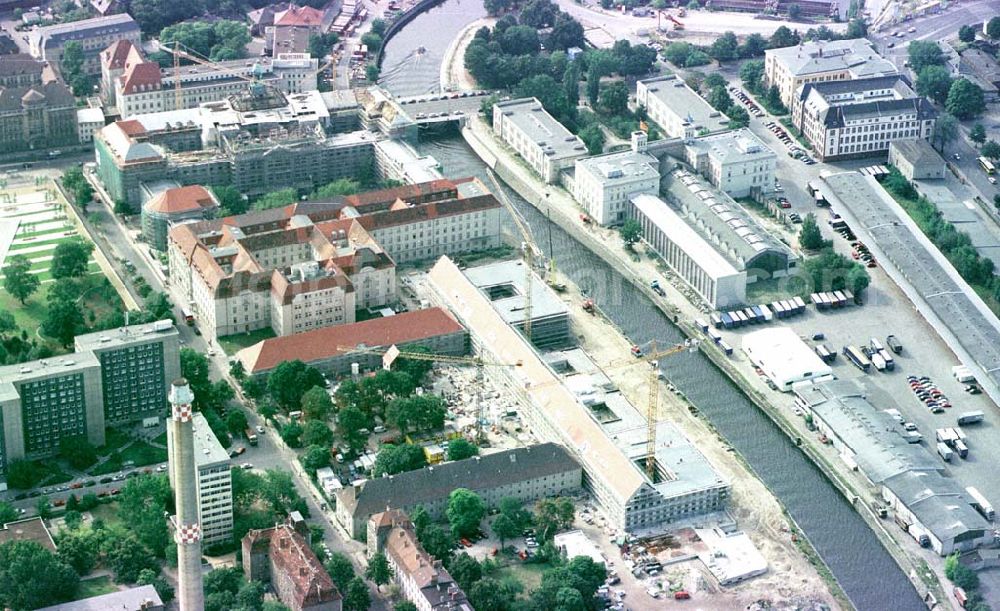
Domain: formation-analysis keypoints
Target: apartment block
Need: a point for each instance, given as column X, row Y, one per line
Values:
column 860, row 118
column 677, row 109
column 282, row 557
column 421, row 578
column 789, row 68
column 94, row 35
column 603, row 184
column 738, row 162
column 46, row 400
column 544, row 143
column 215, row 484
column 138, row 363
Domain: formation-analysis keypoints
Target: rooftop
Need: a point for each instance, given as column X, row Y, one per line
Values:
column 326, row 343
column 181, row 200
column 208, row 451
column 616, row 168
column 29, row 529
column 684, row 102
column 939, row 504
column 121, row 22
column 123, row 336
column 477, row 473
column 56, row 366
column 917, row 151
column 856, row 55
column 737, row 146
column 841, row 114
column 503, row 284
column 680, row 233
column 540, row 127
column 132, row 599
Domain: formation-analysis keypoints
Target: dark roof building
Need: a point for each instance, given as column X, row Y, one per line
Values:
column 19, row 69
column 139, row 598
column 37, row 116
column 524, row 473
column 281, row 555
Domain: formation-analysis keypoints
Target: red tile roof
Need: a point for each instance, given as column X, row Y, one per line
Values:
column 414, row 214
column 325, row 343
column 142, row 76
column 131, row 128
column 182, row 199
column 299, row 16
column 290, row 555
column 414, row 194
column 115, row 55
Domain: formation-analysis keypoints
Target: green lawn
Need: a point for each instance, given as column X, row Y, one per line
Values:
column 232, row 344
column 766, row 291
column 95, row 587
column 140, row 452
column 14, row 248
column 529, row 574
column 161, row 438
column 113, row 441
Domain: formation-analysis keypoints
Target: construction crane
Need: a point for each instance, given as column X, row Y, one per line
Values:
column 390, row 354
column 529, row 249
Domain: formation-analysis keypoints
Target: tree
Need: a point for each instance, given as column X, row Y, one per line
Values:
column 80, row 550
column 223, row 580
column 315, row 457
column 72, row 59
column 519, row 40
column 571, row 85
column 495, row 7
column 566, row 32
column 993, row 28
column 78, row 451
column 923, row 53
column 945, row 130
column 236, row 422
column 437, row 542
column 465, row 570
column 490, row 594
column 794, row 11
column 966, row 33
column 7, row 323
column 978, row 134
column 934, row 82
column 420, row 519
column 372, row 72
column 738, row 117
column 141, row 505
column 593, row 137
column 379, row 571
column 352, row 422
column 63, row 322
column 677, row 53
column 340, row 570
column 630, row 232
column 291, row 434
column 356, row 597
column 857, row 28
column 697, row 58
column 720, row 100
column 419, row 413
column 991, row 149
column 752, row 74
column 460, row 449
column 231, row 201
column 783, row 37
column 337, row 188
column 725, row 48
column 316, row 433
column 18, row 279
column 320, row 44
column 552, row 515
column 713, row 81
column 566, row 586
column 219, row 41
column 810, row 237
column 276, row 199
column 753, row 46
column 290, row 380
column 126, row 557
column 149, row 577
column 504, row 528
column 773, row 100
column 32, row 577
column 965, row 99
column 465, row 511
column 538, row 13
column 7, row 513
column 392, row 459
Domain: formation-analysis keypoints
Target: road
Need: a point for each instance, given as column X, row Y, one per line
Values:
column 932, row 27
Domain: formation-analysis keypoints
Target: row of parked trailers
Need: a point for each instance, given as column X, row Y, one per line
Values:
column 756, row 314
column 832, row 299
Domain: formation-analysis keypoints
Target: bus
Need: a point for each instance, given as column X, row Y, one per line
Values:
column 987, row 166
column 188, row 315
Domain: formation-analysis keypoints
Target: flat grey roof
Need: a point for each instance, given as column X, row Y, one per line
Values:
column 685, row 102
column 624, row 167
column 74, row 30
column 528, row 115
column 127, row 600
column 122, row 336
column 938, row 284
column 873, row 435
column 917, row 151
column 41, row 368
column 734, row 147
column 813, row 57
column 938, row 503
column 544, row 302
column 207, row 449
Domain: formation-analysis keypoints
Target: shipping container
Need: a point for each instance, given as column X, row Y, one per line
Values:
column 841, row 298
column 766, row 311
column 944, row 451
column 878, row 362
column 980, row 503
column 946, row 435
column 701, row 324
column 857, row 357
column 799, row 304
column 825, row 353
column 715, row 335
column 716, row 320
column 961, row 448
column 817, row 301
column 726, row 347
column 727, row 321
column 890, row 363
column 875, row 344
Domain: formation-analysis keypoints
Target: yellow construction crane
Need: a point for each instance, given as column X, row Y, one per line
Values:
column 390, row 354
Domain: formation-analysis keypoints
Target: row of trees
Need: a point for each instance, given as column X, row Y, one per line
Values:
column 74, row 182
column 218, row 41
column 960, row 97
column 715, row 90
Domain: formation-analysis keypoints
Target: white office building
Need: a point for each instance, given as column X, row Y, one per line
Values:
column 738, row 162
column 688, row 254
column 215, row 484
column 604, row 184
column 544, row 143
column 677, row 109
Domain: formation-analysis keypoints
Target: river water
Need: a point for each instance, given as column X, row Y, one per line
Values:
column 872, row 580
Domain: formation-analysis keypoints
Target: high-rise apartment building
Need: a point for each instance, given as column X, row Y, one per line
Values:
column 214, row 484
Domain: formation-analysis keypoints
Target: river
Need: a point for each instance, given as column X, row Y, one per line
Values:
column 866, row 571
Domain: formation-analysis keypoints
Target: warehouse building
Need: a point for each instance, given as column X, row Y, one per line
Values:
column 329, row 349
column 603, row 184
column 546, row 146
column 610, row 446
column 789, row 68
column 737, row 163
column 527, row 474
column 688, row 254
column 503, row 283
column 677, row 109
column 731, row 230
column 916, row 159
column 785, row 358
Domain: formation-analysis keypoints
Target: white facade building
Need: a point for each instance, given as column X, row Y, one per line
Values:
column 677, row 109
column 688, row 254
column 604, row 184
column 88, row 121
column 215, row 484
column 738, row 163
column 784, row 357
column 544, row 143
